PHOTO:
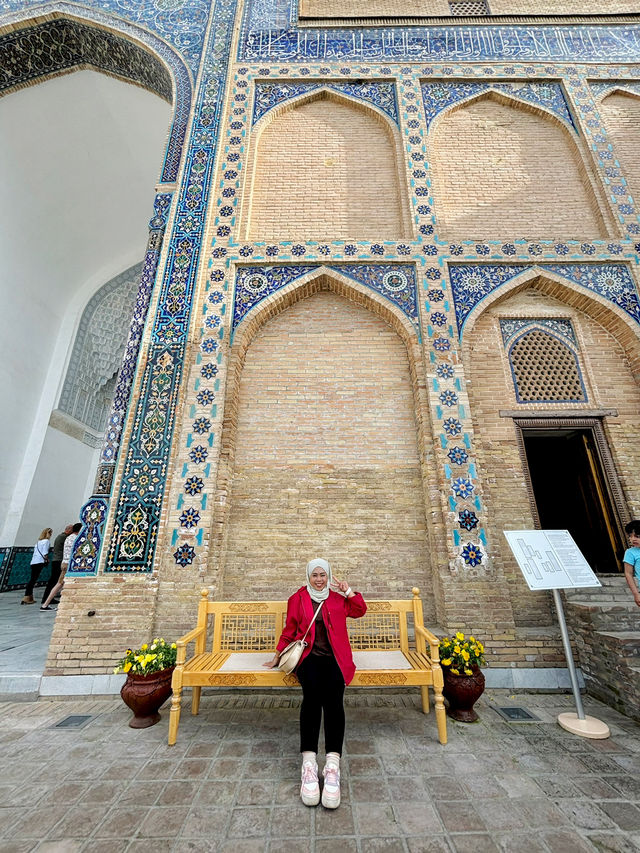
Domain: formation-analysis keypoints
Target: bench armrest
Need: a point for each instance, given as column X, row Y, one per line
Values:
column 433, row 641
column 184, row 641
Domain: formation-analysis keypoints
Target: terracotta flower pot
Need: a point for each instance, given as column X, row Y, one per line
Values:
column 144, row 694
column 461, row 691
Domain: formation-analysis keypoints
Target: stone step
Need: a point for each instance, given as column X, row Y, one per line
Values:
column 625, row 643
column 614, row 588
column 606, row 615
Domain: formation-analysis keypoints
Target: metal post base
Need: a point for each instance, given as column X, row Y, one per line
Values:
column 587, row 727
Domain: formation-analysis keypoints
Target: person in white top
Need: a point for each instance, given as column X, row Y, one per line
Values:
column 38, row 562
column 66, row 556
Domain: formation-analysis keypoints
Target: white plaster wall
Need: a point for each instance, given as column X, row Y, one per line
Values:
column 79, row 159
column 59, row 485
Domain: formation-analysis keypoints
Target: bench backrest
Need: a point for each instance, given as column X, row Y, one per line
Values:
column 243, row 626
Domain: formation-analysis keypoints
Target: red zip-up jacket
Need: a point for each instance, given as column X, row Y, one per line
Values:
column 300, row 610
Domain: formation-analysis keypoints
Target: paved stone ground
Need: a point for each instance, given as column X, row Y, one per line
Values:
column 231, row 782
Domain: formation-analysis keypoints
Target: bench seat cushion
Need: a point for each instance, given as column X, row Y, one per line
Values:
column 381, row 659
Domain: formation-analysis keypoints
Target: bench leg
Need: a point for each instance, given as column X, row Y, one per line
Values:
column 441, row 715
column 424, row 693
column 195, row 700
column 174, row 715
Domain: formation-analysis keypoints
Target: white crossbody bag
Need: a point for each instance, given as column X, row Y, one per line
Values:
column 291, row 654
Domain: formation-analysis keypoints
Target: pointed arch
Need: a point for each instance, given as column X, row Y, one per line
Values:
column 497, row 163
column 616, row 321
column 331, row 145
column 506, row 98
column 316, row 331
column 37, row 48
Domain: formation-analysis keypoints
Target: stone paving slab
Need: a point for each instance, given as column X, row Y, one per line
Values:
column 230, row 784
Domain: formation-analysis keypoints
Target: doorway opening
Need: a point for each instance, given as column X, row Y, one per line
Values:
column 571, row 490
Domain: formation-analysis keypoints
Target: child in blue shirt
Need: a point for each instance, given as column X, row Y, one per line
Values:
column 631, row 560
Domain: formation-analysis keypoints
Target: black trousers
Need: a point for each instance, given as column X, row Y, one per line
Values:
column 36, row 568
column 322, row 693
column 56, row 568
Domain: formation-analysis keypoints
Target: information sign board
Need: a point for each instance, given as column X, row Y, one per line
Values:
column 550, row 559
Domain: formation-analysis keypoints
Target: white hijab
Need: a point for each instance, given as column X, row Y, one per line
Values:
column 316, row 594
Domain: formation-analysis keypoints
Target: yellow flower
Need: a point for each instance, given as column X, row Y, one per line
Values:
column 468, row 672
column 472, row 639
column 459, row 635
column 144, row 647
column 456, row 650
column 465, row 654
column 127, row 666
column 173, row 646
column 455, row 671
column 446, row 662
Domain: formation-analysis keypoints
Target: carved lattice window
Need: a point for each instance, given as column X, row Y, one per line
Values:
column 468, row 7
column 545, row 370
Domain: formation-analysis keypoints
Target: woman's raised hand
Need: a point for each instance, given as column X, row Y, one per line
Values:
column 341, row 586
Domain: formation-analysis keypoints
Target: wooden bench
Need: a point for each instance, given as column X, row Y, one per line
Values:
column 245, row 634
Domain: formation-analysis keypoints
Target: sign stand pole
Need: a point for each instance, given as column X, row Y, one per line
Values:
column 576, row 723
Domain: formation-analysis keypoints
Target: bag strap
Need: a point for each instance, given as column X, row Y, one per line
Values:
column 312, row 621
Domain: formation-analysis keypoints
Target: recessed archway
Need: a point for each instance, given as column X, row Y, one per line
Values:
column 82, row 222
column 322, row 447
column 504, row 169
column 325, row 166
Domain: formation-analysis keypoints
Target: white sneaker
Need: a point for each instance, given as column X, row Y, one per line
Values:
column 310, row 789
column 331, row 789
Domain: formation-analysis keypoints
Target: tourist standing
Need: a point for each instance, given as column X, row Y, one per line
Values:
column 39, row 560
column 66, row 556
column 56, row 561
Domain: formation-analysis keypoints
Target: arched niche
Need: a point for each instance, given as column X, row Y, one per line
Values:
column 504, row 169
column 325, row 166
column 606, row 346
column 83, row 220
column 33, row 50
column 323, row 445
column 97, row 351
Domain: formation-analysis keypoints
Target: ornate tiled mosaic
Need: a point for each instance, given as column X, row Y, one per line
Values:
column 472, row 283
column 98, row 349
column 179, row 23
column 44, row 49
column 395, row 282
column 269, row 34
column 381, row 95
column 438, row 95
column 512, row 326
column 17, row 569
column 137, row 513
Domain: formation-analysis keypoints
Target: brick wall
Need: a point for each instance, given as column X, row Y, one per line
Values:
column 504, row 172
column 621, row 114
column 326, row 457
column 404, row 8
column 372, row 8
column 320, row 171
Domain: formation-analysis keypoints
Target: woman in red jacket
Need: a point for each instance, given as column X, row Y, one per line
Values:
column 325, row 668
